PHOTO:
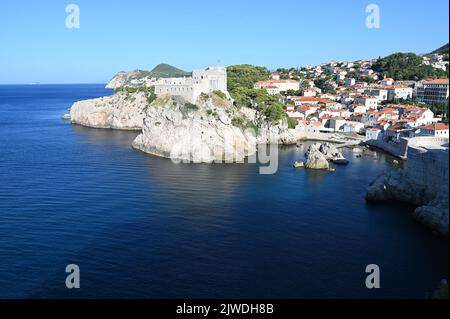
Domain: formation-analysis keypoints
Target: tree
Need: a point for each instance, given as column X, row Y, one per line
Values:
column 245, row 76
column 325, row 86
column 241, row 80
column 406, row 66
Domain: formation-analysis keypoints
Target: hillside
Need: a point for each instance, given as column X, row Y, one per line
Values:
column 167, row 71
column 139, row 78
column 406, row 66
column 441, row 50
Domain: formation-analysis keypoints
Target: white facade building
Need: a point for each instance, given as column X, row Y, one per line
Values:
column 283, row 85
column 373, row 133
column 436, row 129
column 202, row 81
column 371, row 103
column 433, row 91
column 400, row 92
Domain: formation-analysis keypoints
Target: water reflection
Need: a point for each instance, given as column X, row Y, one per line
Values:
column 100, row 137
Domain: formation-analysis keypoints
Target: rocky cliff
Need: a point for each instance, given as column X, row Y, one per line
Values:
column 423, row 182
column 211, row 130
column 133, row 79
column 120, row 111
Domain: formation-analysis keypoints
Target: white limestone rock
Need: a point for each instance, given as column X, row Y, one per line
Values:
column 120, row 111
column 133, row 79
column 279, row 133
column 315, row 159
column 203, row 132
column 330, row 152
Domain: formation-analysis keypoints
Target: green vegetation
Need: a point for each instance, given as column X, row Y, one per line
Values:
column 291, row 73
column 187, row 108
column 243, row 123
column 245, row 76
column 406, row 66
column 442, row 50
column 360, row 78
column 190, row 106
column 167, row 71
column 241, row 79
column 292, row 93
column 220, row 94
column 148, row 91
column 292, row 123
column 274, row 112
column 325, row 86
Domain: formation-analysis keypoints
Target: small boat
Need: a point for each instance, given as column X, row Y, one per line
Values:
column 66, row 117
column 395, row 162
column 331, row 169
column 341, row 161
column 298, row 145
column 299, row 164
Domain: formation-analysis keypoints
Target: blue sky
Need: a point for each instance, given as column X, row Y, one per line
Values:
column 35, row 45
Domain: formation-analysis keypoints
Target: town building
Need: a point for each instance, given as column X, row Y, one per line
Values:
column 283, row 85
column 370, row 102
column 436, row 129
column 399, row 92
column 379, row 92
column 433, row 91
column 374, row 133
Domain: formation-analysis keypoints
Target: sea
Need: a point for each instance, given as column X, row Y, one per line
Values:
column 140, row 226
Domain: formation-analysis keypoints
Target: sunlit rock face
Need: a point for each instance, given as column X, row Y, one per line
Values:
column 315, row 159
column 203, row 132
column 120, row 111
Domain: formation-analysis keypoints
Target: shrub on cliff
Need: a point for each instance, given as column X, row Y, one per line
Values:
column 243, row 123
column 292, row 123
column 220, row 94
column 148, row 91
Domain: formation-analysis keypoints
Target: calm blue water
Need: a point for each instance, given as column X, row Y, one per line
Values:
column 140, row 226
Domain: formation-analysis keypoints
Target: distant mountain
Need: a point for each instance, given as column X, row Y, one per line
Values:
column 441, row 50
column 139, row 78
column 167, row 71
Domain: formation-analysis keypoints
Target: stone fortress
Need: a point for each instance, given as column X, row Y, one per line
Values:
column 202, row 81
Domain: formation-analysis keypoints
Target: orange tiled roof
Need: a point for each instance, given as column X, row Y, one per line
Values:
column 436, row 127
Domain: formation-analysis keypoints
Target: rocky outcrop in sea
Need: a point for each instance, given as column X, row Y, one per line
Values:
column 119, row 111
column 423, row 182
column 319, row 155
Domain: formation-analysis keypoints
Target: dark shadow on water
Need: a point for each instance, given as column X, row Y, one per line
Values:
column 101, row 136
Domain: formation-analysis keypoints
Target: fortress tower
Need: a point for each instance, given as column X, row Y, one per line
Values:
column 202, row 81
